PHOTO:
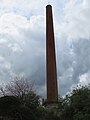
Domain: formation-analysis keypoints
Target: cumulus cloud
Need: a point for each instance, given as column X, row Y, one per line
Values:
column 85, row 79
column 21, row 44
column 74, row 44
column 22, row 41
column 76, row 19
column 25, row 8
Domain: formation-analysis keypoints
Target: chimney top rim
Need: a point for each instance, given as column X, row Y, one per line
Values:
column 48, row 5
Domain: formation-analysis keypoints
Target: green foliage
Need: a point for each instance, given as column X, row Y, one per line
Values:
column 20, row 101
column 20, row 108
column 9, row 106
column 31, row 100
column 76, row 105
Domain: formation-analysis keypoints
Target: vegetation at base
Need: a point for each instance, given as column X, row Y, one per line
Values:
column 19, row 101
column 76, row 105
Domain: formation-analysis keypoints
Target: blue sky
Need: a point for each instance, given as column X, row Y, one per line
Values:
column 22, row 41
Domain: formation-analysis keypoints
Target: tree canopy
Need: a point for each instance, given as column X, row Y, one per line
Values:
column 76, row 105
column 20, row 102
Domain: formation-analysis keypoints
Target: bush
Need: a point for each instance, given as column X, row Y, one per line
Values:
column 76, row 105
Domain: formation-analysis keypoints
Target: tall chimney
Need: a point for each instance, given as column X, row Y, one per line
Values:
column 51, row 72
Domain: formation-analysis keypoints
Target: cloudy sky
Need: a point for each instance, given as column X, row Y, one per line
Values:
column 22, row 41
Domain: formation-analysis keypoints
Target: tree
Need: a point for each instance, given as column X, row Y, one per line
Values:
column 20, row 100
column 9, row 107
column 19, row 87
column 76, row 105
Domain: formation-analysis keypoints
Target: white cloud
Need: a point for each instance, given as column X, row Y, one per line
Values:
column 22, row 7
column 76, row 21
column 85, row 79
column 7, row 4
column 21, row 44
column 9, row 23
column 22, row 40
column 73, row 44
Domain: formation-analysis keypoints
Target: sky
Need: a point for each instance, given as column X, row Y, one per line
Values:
column 23, row 44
